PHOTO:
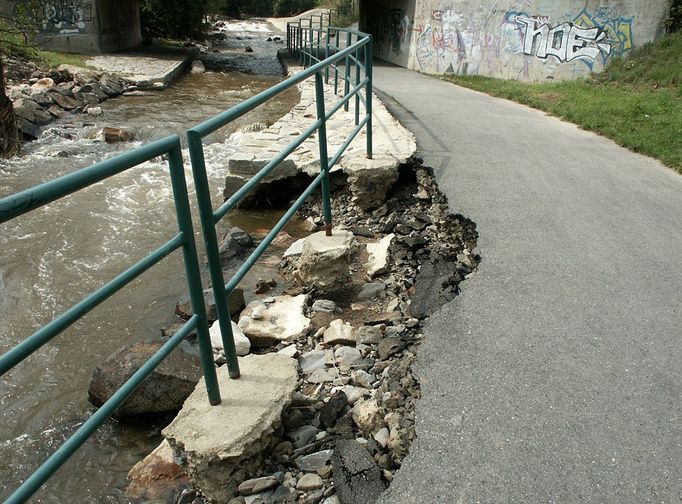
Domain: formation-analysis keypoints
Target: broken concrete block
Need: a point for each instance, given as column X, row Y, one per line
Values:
column 282, row 320
column 325, row 260
column 222, row 445
column 377, row 261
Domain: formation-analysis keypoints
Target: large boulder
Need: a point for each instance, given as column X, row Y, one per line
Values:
column 165, row 389
column 325, row 261
column 275, row 320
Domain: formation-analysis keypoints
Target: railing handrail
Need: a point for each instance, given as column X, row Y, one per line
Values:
column 210, row 217
column 33, row 198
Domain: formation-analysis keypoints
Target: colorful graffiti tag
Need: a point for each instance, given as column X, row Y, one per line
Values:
column 66, row 16
column 586, row 38
column 565, row 42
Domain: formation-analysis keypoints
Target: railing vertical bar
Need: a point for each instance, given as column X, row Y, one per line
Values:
column 203, row 194
column 326, row 55
column 324, row 159
column 357, row 81
column 336, row 67
column 369, row 70
column 191, row 259
column 346, row 83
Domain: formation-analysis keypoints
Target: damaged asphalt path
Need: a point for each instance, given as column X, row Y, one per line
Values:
column 556, row 375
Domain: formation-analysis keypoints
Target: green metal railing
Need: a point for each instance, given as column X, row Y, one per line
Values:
column 30, row 199
column 209, row 217
column 358, row 52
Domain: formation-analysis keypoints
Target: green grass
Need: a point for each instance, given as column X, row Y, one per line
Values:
column 636, row 101
column 15, row 44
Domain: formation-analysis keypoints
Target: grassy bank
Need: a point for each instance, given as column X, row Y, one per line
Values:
column 636, row 101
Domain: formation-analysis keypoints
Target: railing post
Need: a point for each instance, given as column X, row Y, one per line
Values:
column 326, row 55
column 312, row 41
column 201, row 187
column 369, row 72
column 336, row 66
column 196, row 291
column 346, row 84
column 357, row 83
column 324, row 159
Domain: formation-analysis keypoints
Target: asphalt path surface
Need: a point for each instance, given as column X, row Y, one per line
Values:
column 556, row 375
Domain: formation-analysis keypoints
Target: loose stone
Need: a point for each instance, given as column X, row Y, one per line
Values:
column 309, row 482
column 339, row 333
column 315, row 461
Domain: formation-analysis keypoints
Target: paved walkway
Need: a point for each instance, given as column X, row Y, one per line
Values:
column 556, row 376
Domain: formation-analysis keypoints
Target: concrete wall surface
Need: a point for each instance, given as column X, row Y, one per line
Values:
column 86, row 26
column 530, row 40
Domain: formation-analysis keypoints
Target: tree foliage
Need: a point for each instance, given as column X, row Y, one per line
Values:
column 177, row 19
column 674, row 21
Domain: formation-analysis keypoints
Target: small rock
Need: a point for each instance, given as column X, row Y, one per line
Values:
column 339, row 333
column 324, row 305
column 371, row 290
column 114, row 135
column 257, row 485
column 362, row 378
column 347, row 357
column 248, row 49
column 263, row 286
column 354, row 394
column 331, row 410
column 309, row 482
column 280, row 321
column 197, row 67
column 382, row 437
column 321, row 376
column 377, row 261
column 157, row 477
column 295, row 249
column 289, row 351
column 367, row 415
column 368, row 335
column 302, row 436
column 94, row 111
column 388, row 346
column 44, row 84
column 242, row 344
column 315, row 461
column 312, row 360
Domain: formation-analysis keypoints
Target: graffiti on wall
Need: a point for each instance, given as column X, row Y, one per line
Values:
column 465, row 40
column 565, row 42
column 586, row 38
column 66, row 16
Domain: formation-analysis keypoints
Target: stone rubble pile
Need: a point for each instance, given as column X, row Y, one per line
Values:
column 351, row 420
column 65, row 90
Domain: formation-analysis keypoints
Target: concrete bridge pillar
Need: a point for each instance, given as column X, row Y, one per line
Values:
column 86, row 26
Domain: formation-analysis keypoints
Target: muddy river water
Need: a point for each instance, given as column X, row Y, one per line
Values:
column 50, row 258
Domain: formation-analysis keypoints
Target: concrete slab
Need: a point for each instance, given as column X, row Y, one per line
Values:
column 150, row 69
column 221, row 445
